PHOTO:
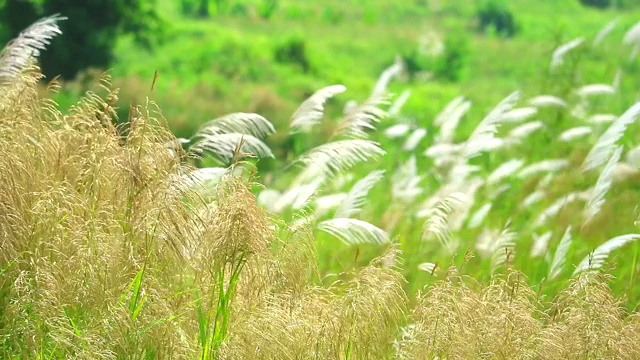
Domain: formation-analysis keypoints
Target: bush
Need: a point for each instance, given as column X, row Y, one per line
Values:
column 293, row 51
column 600, row 4
column 494, row 15
column 267, row 8
column 448, row 64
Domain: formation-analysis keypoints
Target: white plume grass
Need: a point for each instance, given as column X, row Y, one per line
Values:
column 16, row 55
column 398, row 104
column 519, row 115
column 547, row 101
column 606, row 30
column 596, row 90
column 243, row 123
column 596, row 259
column 360, row 120
column 223, row 146
column 598, row 119
column 437, row 224
column 354, row 231
column 397, row 130
column 540, row 244
column 387, row 75
column 520, row 132
column 575, row 133
column 603, row 184
column 544, row 166
column 338, row 157
column 450, row 117
column 311, row 111
column 483, row 135
column 414, row 139
column 356, row 197
column 605, row 145
column 505, row 170
column 557, row 58
column 479, row 216
column 560, row 256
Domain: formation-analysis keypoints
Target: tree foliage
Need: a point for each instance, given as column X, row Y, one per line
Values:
column 90, row 33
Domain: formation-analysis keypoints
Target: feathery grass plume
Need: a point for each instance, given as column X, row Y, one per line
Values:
column 15, row 56
column 356, row 197
column 89, row 219
column 354, row 231
column 235, row 238
column 356, row 123
column 240, row 123
column 503, row 248
column 389, row 73
column 547, row 101
column 311, row 111
column 406, row 181
column 520, row 132
column 324, row 204
column 374, row 305
column 596, row 259
column 414, row 139
column 227, row 147
column 296, row 197
column 606, row 30
column 540, row 244
column 505, row 170
column 397, row 130
column 477, row 219
column 575, row 133
column 437, row 223
column 337, row 157
column 533, row 198
column 519, row 115
column 544, row 166
column 449, row 109
column 198, row 177
column 449, row 118
column 560, row 256
column 354, row 319
column 398, row 104
column 603, row 184
column 482, row 136
column 552, row 211
column 605, row 145
column 595, row 90
column 587, row 322
column 428, row 267
column 557, row 58
column 598, row 119
column 457, row 320
column 632, row 37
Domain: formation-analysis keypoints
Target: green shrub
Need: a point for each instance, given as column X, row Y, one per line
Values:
column 448, row 65
column 600, row 4
column 494, row 15
column 293, row 51
column 267, row 8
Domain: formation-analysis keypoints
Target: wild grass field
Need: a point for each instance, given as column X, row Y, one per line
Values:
column 243, row 205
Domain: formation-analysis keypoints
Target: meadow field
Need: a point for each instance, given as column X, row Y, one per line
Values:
column 335, row 180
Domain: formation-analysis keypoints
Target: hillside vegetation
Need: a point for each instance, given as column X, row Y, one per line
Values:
column 367, row 204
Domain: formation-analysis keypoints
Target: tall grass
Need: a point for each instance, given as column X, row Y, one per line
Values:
column 114, row 246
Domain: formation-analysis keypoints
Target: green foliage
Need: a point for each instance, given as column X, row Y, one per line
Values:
column 81, row 48
column 266, row 8
column 600, row 4
column 494, row 15
column 293, row 51
column 447, row 64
